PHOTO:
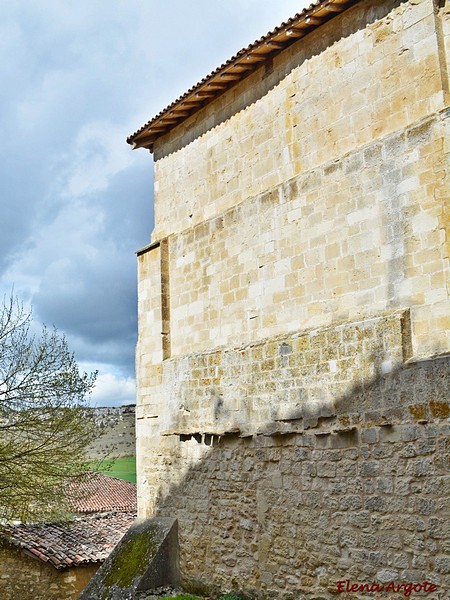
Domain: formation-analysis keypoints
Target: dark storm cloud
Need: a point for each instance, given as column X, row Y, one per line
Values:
column 75, row 201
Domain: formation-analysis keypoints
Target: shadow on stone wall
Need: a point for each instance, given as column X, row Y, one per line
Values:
column 360, row 493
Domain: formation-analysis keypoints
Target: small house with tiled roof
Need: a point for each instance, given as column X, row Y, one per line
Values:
column 49, row 561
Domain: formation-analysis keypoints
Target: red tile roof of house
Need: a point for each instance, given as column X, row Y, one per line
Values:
column 96, row 492
column 237, row 68
column 89, row 539
column 105, row 507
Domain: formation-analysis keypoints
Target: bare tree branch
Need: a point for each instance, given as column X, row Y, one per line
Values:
column 44, row 425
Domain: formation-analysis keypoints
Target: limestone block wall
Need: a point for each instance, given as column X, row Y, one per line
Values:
column 348, row 239
column 292, row 359
column 442, row 16
column 348, row 219
column 302, row 378
column 23, row 578
column 298, row 114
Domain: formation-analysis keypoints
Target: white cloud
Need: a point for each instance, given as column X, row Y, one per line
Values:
column 99, row 153
column 113, row 390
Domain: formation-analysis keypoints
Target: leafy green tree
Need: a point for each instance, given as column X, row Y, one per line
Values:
column 45, row 426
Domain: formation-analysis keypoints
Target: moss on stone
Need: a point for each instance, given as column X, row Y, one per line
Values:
column 182, row 597
column 440, row 409
column 418, row 411
column 132, row 559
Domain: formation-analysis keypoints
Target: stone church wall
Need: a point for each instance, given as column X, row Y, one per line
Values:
column 293, row 400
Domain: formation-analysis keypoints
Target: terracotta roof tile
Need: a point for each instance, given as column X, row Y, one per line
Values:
column 100, row 493
column 88, row 539
column 106, row 508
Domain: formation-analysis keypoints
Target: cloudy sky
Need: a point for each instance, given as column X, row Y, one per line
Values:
column 76, row 78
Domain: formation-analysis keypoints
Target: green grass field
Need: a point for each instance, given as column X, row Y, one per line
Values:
column 122, row 468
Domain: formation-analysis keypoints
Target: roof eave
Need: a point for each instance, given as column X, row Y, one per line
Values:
column 236, row 69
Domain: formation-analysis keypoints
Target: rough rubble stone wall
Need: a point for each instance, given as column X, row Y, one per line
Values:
column 290, row 516
column 292, row 361
column 26, row 578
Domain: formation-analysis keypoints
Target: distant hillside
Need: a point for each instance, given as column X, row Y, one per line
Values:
column 119, row 439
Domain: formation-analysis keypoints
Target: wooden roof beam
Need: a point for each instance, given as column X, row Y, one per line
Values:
column 275, row 45
column 168, row 120
column 192, row 102
column 242, row 68
column 147, row 139
column 308, row 22
column 256, row 57
column 313, row 21
column 230, row 76
column 156, row 129
column 295, row 33
column 217, row 87
column 335, row 8
column 181, row 113
column 201, row 94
